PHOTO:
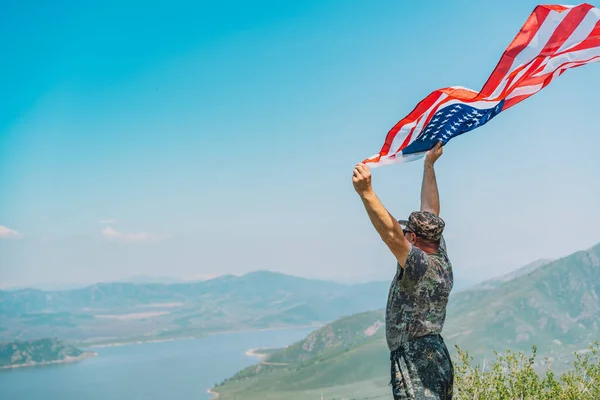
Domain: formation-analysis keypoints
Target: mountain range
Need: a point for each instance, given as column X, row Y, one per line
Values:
column 118, row 311
column 552, row 304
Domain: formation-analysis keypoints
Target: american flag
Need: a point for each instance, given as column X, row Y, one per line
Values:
column 553, row 39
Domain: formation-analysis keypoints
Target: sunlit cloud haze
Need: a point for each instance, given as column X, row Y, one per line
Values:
column 7, row 233
column 112, row 234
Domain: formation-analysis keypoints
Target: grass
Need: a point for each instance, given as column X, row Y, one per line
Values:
column 512, row 375
column 364, row 390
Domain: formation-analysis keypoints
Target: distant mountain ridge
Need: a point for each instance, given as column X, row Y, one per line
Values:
column 110, row 294
column 501, row 280
column 118, row 310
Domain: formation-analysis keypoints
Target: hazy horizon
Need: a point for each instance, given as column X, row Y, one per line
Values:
column 195, row 139
column 460, row 284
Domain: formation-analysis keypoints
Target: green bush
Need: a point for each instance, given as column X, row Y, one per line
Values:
column 512, row 376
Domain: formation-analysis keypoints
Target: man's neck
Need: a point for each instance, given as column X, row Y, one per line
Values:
column 428, row 249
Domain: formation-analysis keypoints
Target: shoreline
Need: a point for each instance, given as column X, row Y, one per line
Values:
column 66, row 360
column 117, row 344
column 254, row 352
column 136, row 342
column 282, row 328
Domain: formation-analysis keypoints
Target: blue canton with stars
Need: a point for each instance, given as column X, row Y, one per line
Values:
column 449, row 122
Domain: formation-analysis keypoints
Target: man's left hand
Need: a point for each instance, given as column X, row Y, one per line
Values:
column 435, row 153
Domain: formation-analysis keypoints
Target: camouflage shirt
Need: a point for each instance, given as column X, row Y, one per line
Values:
column 418, row 296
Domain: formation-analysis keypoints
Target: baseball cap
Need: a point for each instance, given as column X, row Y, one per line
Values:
column 425, row 224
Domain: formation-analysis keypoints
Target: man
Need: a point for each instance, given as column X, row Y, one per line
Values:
column 421, row 367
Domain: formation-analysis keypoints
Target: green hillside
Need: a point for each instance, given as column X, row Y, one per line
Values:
column 343, row 352
column 554, row 306
column 37, row 352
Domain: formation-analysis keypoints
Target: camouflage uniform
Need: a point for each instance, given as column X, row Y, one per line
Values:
column 421, row 367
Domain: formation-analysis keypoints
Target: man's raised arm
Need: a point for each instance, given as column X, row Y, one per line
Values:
column 430, row 197
column 386, row 225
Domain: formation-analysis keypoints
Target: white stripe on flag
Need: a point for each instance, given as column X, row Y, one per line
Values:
column 481, row 105
column 536, row 88
column 574, row 56
column 525, row 90
column 397, row 159
column 400, row 136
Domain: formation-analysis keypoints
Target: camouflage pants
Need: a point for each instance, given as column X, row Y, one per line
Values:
column 422, row 369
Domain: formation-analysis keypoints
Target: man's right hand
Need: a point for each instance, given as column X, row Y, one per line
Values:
column 361, row 178
column 435, row 153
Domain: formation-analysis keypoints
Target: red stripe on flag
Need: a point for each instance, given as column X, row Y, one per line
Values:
column 460, row 93
column 511, row 102
column 536, row 80
column 532, row 66
column 525, row 35
column 557, row 7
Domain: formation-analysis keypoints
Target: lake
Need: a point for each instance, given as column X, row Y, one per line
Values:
column 180, row 369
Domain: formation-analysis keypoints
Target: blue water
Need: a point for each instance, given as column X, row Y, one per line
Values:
column 181, row 369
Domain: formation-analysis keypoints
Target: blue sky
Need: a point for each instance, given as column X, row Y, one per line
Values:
column 190, row 139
